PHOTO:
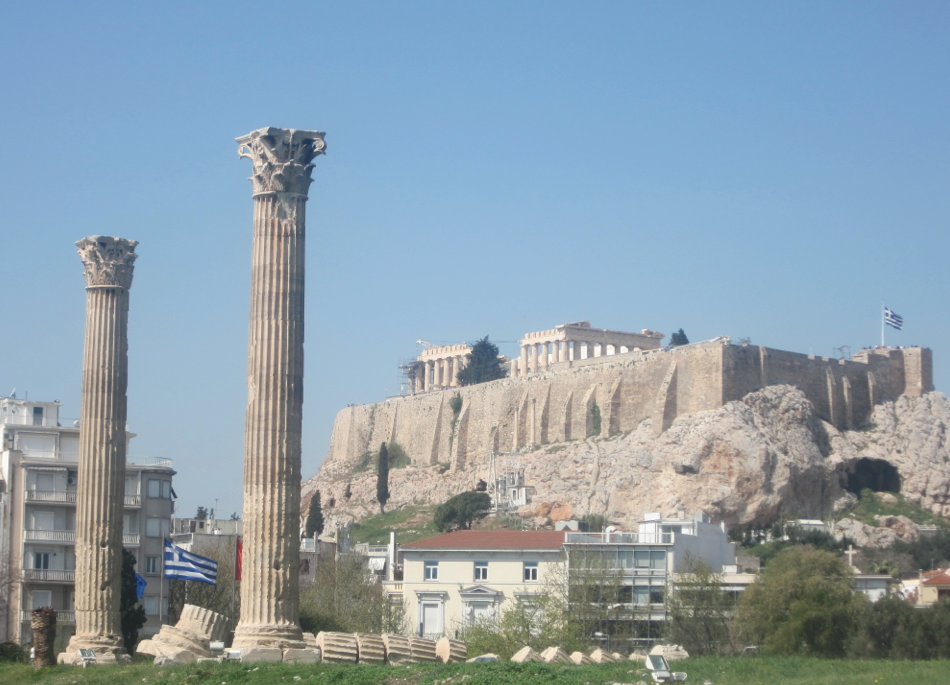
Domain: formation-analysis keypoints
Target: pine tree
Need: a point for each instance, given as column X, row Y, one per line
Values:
column 315, row 516
column 382, row 478
column 678, row 338
column 483, row 364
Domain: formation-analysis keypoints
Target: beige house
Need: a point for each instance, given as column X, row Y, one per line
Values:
column 38, row 473
column 452, row 579
column 934, row 586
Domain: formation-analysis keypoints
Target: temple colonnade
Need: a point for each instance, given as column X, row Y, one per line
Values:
column 437, row 367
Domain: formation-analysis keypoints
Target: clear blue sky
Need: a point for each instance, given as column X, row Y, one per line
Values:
column 762, row 170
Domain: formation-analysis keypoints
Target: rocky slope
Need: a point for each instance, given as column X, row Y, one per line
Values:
column 745, row 463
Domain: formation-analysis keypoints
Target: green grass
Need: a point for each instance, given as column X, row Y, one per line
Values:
column 871, row 505
column 410, row 524
column 758, row 670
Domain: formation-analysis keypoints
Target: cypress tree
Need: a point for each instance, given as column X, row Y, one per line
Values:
column 382, row 478
column 315, row 516
column 483, row 364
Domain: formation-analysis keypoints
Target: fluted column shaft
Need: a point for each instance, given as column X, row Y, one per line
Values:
column 102, row 446
column 271, row 561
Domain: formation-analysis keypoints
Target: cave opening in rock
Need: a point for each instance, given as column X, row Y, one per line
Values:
column 873, row 474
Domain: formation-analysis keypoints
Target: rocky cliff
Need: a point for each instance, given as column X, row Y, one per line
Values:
column 744, row 463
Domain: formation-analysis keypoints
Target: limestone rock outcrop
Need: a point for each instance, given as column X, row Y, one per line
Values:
column 555, row 655
column 599, row 656
column 890, row 530
column 580, row 658
column 745, row 463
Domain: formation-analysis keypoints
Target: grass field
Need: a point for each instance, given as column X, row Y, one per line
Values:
column 728, row 671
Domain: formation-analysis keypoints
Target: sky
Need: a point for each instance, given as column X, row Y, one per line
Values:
column 771, row 171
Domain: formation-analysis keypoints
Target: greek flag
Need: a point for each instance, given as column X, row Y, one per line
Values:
column 893, row 320
column 181, row 564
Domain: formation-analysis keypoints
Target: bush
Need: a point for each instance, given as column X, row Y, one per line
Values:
column 802, row 603
column 459, row 512
column 12, row 652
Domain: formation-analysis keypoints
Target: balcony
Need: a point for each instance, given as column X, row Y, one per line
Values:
column 49, row 536
column 130, row 539
column 47, row 575
column 619, row 538
column 61, row 616
column 133, row 500
column 158, row 462
column 67, row 496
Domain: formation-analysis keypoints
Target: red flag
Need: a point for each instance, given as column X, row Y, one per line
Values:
column 240, row 558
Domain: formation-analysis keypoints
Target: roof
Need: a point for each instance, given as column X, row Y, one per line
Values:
column 492, row 539
column 937, row 578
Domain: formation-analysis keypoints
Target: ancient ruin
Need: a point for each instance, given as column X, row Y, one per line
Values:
column 282, row 161
column 188, row 640
column 108, row 264
column 575, row 341
column 437, row 367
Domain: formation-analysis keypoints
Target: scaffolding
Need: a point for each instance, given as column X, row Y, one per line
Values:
column 508, row 490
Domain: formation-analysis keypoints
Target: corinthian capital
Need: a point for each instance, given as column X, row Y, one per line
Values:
column 282, row 158
column 107, row 261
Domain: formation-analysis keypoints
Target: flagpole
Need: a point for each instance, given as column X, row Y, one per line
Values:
column 161, row 586
column 882, row 323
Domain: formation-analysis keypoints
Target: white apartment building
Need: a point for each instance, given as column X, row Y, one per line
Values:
column 452, row 579
column 38, row 473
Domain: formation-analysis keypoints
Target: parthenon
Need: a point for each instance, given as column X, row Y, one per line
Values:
column 576, row 341
column 437, row 367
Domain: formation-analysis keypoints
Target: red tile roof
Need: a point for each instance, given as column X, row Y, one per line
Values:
column 492, row 539
column 937, row 578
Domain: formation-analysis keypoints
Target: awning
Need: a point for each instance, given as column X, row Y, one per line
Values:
column 377, row 563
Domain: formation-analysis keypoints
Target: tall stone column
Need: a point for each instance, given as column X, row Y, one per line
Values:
column 271, row 565
column 100, row 489
column 534, row 358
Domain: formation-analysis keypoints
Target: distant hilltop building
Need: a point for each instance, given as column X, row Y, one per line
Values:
column 574, row 382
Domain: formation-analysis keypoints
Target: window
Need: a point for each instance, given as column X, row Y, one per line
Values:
column 159, row 488
column 37, row 416
column 304, row 566
column 151, row 605
column 531, row 571
column 41, row 598
column 641, row 594
column 658, row 561
column 656, row 594
column 641, row 558
column 44, row 482
column 432, row 570
column 41, row 560
column 151, row 565
column 481, row 570
column 156, row 528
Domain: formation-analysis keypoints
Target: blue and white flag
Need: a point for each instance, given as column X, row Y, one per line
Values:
column 893, row 320
column 181, row 564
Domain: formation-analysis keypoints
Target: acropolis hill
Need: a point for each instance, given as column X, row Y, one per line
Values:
column 617, row 403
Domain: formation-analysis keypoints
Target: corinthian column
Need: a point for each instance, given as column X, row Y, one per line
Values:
column 102, row 443
column 269, row 604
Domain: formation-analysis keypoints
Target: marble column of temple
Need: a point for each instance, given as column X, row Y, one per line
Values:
column 282, row 160
column 108, row 264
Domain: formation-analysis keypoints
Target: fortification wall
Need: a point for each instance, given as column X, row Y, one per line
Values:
column 626, row 389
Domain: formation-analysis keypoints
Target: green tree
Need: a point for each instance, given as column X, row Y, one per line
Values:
column 202, row 514
column 382, row 478
column 345, row 597
column 803, row 602
column 678, row 338
column 459, row 512
column 699, row 613
column 131, row 612
column 483, row 364
column 314, row 516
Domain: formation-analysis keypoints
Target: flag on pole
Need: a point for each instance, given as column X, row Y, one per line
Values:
column 239, row 560
column 893, row 320
column 181, row 564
